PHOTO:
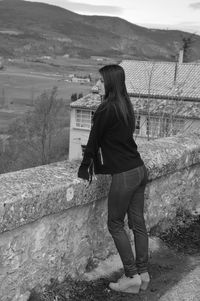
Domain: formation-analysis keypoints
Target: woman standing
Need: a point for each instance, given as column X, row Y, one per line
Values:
column 112, row 150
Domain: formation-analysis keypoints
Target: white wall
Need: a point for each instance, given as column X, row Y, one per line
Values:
column 77, row 138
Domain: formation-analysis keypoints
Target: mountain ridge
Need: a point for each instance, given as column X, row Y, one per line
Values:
column 48, row 29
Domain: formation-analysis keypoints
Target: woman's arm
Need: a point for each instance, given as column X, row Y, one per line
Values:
column 101, row 121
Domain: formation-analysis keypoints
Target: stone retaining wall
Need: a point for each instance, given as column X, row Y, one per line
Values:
column 52, row 225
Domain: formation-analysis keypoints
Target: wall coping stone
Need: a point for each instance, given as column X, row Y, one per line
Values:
column 30, row 194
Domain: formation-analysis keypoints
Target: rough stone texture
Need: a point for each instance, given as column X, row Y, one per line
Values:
column 168, row 155
column 164, row 195
column 30, row 194
column 52, row 247
column 51, row 224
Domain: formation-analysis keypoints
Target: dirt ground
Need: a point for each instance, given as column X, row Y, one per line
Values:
column 178, row 255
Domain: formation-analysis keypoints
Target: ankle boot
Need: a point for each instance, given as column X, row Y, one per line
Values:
column 127, row 284
column 145, row 280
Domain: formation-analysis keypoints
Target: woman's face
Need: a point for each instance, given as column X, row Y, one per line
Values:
column 101, row 86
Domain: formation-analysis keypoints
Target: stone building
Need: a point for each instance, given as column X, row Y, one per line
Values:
column 165, row 97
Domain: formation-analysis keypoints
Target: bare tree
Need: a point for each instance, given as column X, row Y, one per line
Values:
column 187, row 43
column 166, row 123
column 38, row 128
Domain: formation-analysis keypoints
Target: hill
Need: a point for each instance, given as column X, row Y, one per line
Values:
column 31, row 28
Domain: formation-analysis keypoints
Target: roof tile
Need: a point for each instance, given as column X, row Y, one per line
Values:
column 162, row 78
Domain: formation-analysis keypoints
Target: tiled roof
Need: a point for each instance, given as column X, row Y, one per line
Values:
column 90, row 101
column 186, row 109
column 166, row 79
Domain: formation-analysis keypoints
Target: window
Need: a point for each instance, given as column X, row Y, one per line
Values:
column 157, row 126
column 171, row 126
column 137, row 124
column 165, row 127
column 153, row 126
column 84, row 118
column 177, row 125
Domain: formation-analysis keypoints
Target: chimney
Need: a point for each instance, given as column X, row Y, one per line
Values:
column 180, row 57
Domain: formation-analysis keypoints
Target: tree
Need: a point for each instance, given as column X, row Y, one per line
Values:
column 37, row 129
column 74, row 97
column 80, row 95
column 187, row 43
column 7, row 157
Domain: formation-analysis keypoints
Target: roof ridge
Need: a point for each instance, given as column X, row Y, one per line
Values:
column 162, row 62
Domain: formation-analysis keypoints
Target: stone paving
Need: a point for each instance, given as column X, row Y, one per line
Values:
column 188, row 289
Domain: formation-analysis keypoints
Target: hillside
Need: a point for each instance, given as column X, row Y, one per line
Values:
column 30, row 28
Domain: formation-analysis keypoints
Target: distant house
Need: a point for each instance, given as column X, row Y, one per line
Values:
column 165, row 97
column 77, row 79
column 46, row 57
column 98, row 58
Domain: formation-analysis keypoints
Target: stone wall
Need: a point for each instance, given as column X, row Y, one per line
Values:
column 52, row 224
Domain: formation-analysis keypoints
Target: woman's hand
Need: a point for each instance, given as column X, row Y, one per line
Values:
column 86, row 172
column 83, row 173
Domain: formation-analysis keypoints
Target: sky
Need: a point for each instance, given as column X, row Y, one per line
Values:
column 171, row 14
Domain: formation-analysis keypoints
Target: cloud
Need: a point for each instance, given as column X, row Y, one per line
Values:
column 91, row 8
column 195, row 5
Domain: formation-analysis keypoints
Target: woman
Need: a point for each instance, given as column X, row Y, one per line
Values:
column 113, row 151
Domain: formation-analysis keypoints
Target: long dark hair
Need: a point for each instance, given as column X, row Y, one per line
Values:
column 116, row 93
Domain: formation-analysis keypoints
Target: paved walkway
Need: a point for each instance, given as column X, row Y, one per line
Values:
column 188, row 289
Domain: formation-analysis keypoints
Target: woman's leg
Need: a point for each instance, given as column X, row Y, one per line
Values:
column 137, row 224
column 118, row 203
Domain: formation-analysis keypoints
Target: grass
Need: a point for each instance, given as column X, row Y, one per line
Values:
column 22, row 82
column 18, row 84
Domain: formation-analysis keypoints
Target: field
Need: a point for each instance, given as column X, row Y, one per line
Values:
column 7, row 115
column 22, row 81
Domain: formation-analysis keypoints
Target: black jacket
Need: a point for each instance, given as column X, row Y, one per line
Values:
column 110, row 148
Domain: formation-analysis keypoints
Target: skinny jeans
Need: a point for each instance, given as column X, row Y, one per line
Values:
column 126, row 196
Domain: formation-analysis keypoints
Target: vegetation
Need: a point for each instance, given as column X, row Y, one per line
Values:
column 39, row 137
column 187, row 45
column 74, row 96
column 37, row 128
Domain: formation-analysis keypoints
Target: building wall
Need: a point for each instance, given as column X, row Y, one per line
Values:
column 52, row 225
column 78, row 137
